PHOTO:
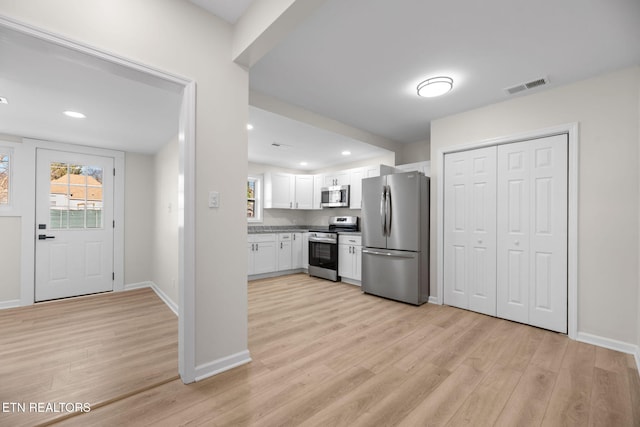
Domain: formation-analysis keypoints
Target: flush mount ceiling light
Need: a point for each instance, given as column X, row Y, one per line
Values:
column 249, row 126
column 74, row 114
column 346, row 153
column 303, row 163
column 3, row 100
column 435, row 86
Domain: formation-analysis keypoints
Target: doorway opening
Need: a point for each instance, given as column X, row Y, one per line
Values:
column 123, row 67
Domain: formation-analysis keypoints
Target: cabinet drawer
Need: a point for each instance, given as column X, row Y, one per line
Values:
column 261, row 238
column 346, row 239
column 284, row 237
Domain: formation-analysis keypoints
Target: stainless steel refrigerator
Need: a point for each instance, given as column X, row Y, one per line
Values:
column 395, row 237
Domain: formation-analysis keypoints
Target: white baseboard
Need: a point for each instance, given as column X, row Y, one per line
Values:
column 224, row 364
column 433, row 300
column 611, row 344
column 12, row 303
column 172, row 305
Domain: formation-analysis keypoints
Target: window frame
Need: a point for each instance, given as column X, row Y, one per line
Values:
column 257, row 218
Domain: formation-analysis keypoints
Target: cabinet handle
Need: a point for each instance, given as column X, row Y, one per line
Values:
column 253, row 247
column 290, row 204
column 294, row 237
column 280, row 245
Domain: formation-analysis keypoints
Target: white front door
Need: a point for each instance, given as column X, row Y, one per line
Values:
column 532, row 232
column 74, row 224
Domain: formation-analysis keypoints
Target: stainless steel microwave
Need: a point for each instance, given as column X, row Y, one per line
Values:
column 336, row 196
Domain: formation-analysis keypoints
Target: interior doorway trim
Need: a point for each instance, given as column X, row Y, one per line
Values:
column 571, row 129
column 186, row 194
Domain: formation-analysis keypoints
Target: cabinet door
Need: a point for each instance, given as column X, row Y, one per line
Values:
column 532, row 232
column 355, row 196
column 305, row 250
column 284, row 251
column 296, row 251
column 470, row 230
column 303, row 192
column 345, row 261
column 337, row 178
column 357, row 262
column 264, row 257
column 282, row 189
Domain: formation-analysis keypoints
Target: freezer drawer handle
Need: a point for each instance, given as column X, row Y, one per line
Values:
column 368, row 251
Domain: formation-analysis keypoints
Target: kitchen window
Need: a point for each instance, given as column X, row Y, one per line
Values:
column 6, row 185
column 254, row 200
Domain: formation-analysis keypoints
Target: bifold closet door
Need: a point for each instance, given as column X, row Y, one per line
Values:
column 470, row 230
column 532, row 232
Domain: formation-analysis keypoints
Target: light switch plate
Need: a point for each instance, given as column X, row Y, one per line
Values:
column 214, row 199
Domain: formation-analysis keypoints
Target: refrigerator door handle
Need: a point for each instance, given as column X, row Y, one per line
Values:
column 396, row 255
column 388, row 212
column 383, row 212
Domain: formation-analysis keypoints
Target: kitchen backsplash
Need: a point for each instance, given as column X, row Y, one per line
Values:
column 288, row 217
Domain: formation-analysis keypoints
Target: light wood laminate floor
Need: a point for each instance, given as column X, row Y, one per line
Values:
column 324, row 354
column 94, row 349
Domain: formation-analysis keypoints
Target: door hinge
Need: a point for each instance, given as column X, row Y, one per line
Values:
column 114, row 171
column 114, row 223
column 113, row 276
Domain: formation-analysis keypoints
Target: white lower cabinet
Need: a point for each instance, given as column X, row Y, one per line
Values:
column 273, row 252
column 296, row 251
column 284, row 251
column 350, row 258
column 262, row 253
column 505, row 231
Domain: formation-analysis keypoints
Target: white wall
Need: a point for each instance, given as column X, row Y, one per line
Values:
column 180, row 38
column 138, row 217
column 416, row 152
column 10, row 230
column 165, row 220
column 607, row 110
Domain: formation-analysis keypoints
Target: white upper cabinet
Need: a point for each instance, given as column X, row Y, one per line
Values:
column 355, row 191
column 289, row 191
column 303, row 192
column 337, row 178
column 424, row 167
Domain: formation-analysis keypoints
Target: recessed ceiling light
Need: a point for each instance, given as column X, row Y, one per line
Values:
column 435, row 86
column 74, row 114
column 249, row 126
column 3, row 100
column 346, row 153
column 303, row 163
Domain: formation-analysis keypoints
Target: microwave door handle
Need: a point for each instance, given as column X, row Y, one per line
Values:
column 383, row 221
column 388, row 211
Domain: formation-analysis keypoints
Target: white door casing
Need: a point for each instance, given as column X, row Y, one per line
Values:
column 74, row 224
column 532, row 233
column 470, row 230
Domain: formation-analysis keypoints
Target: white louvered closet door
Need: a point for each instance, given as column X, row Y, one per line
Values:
column 532, row 232
column 470, row 230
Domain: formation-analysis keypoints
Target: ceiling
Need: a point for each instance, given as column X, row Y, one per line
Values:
column 280, row 141
column 125, row 109
column 357, row 62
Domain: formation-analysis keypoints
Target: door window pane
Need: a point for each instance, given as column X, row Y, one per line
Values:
column 76, row 196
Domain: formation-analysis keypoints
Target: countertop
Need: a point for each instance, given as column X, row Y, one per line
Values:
column 266, row 229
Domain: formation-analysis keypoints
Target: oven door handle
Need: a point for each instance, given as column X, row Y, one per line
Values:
column 322, row 240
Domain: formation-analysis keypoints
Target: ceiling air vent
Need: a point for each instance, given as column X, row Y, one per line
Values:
column 526, row 86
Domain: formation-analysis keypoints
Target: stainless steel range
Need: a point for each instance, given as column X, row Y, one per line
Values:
column 323, row 247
